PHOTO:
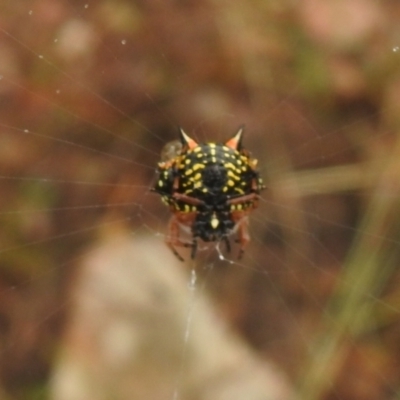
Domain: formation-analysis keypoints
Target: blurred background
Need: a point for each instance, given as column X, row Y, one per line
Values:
column 91, row 91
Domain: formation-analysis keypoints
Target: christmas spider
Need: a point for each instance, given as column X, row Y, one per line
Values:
column 210, row 189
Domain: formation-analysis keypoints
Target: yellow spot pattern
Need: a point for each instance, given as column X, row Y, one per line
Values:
column 214, row 222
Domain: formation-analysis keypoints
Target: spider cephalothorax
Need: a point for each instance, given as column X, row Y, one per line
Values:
column 210, row 189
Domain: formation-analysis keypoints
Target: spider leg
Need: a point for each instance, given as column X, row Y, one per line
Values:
column 188, row 199
column 194, row 249
column 243, row 199
column 243, row 235
column 251, row 197
column 178, row 256
column 227, row 243
column 172, row 238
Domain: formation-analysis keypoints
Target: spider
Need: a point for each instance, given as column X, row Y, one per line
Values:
column 210, row 189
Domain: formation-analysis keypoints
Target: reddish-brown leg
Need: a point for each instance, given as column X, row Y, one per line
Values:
column 243, row 235
column 243, row 199
column 172, row 239
column 187, row 199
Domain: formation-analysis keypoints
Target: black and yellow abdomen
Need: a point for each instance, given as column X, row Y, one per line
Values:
column 214, row 182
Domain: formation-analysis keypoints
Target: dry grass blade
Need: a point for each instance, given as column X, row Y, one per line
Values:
column 354, row 296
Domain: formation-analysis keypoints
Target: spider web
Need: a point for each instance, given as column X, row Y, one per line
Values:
column 91, row 92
